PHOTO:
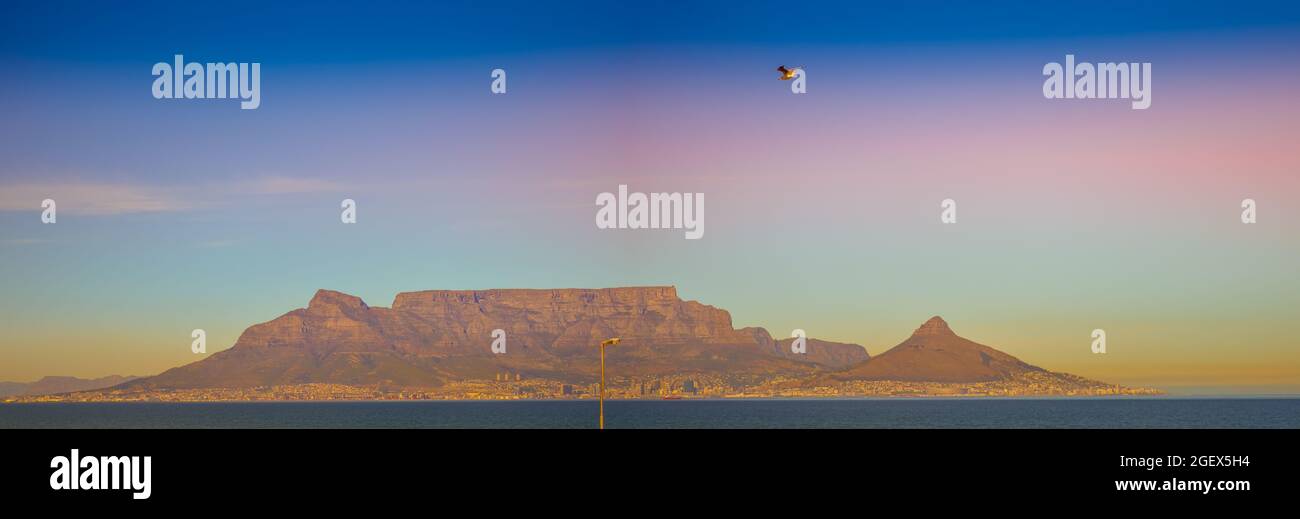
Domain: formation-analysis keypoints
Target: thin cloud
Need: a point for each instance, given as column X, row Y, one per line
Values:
column 104, row 199
column 289, row 186
column 88, row 198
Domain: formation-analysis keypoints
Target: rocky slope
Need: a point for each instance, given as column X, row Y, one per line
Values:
column 442, row 338
column 934, row 353
column 430, row 337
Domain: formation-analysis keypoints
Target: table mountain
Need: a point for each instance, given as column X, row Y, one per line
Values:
column 427, row 338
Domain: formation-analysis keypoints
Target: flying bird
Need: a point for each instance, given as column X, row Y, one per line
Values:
column 787, row 73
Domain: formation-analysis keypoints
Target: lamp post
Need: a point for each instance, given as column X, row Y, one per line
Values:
column 603, row 344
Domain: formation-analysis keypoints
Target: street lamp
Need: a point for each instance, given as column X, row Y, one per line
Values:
column 603, row 344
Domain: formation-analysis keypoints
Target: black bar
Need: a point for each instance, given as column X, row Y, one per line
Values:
column 491, row 470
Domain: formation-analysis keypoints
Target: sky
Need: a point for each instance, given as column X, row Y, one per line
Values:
column 822, row 209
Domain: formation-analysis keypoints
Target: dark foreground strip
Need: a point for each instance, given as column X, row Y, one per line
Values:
column 491, row 473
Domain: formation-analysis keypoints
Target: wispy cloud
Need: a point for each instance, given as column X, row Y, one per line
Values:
column 103, row 198
column 288, row 186
column 89, row 198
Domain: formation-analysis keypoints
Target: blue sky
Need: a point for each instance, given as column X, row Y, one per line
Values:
column 206, row 216
column 333, row 31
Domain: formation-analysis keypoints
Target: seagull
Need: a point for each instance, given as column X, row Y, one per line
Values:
column 787, row 73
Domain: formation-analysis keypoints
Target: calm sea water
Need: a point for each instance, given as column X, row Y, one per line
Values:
column 838, row 413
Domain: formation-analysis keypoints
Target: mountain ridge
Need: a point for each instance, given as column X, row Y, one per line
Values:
column 935, row 353
column 54, row 384
column 429, row 337
column 438, row 344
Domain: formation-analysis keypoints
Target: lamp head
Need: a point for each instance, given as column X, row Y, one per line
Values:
column 609, row 342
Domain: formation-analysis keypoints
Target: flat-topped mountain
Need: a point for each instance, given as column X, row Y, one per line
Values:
column 438, row 344
column 430, row 337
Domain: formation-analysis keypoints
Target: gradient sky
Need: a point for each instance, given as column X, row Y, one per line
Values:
column 821, row 209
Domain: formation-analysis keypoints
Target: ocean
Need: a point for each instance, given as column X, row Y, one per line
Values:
column 1136, row 412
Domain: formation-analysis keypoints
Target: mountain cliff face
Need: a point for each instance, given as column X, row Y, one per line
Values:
column 934, row 353
column 429, row 337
